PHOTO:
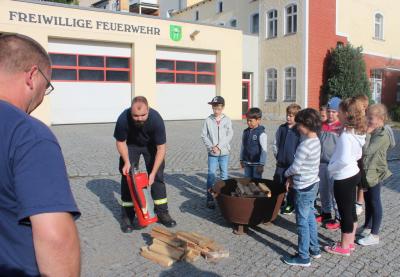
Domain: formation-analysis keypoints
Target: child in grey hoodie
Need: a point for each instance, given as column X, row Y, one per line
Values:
column 217, row 134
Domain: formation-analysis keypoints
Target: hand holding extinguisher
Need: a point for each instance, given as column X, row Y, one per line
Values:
column 139, row 188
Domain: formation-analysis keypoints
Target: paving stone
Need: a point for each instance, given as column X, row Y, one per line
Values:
column 91, row 160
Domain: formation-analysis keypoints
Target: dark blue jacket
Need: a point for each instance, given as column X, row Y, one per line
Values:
column 287, row 140
column 251, row 147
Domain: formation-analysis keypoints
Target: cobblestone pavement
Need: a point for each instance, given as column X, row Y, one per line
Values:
column 91, row 161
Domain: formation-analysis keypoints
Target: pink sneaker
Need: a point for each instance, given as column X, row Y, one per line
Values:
column 337, row 250
column 333, row 225
column 352, row 246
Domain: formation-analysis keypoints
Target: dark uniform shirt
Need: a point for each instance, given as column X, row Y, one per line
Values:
column 33, row 180
column 151, row 134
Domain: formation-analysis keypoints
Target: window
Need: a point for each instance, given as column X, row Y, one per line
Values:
column 376, row 84
column 290, row 84
column 220, row 7
column 378, row 26
column 185, row 66
column 86, row 68
column 196, row 17
column 255, row 23
column 185, row 72
column 63, row 59
column 398, row 90
column 91, row 61
column 272, row 28
column 272, row 81
column 291, row 19
column 233, row 23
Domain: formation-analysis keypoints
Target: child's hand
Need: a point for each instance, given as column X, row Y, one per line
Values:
column 260, row 169
column 242, row 164
column 215, row 150
column 289, row 183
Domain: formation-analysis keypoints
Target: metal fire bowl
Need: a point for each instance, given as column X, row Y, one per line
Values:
column 248, row 210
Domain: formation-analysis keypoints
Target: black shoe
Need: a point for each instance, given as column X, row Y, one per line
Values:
column 211, row 204
column 127, row 219
column 127, row 228
column 288, row 210
column 166, row 220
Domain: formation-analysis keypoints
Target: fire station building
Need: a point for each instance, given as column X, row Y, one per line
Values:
column 102, row 59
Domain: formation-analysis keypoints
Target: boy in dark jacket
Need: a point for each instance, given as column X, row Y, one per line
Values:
column 253, row 153
column 287, row 138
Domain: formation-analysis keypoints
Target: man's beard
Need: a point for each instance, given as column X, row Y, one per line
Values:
column 139, row 124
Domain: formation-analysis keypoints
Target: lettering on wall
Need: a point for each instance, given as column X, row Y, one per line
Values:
column 82, row 23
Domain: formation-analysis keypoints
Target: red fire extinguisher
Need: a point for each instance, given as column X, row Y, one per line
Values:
column 138, row 183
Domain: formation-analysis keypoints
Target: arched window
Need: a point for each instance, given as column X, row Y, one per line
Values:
column 271, row 84
column 378, row 26
column 272, row 25
column 290, row 84
column 291, row 19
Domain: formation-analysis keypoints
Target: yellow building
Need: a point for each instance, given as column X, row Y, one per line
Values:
column 294, row 38
column 102, row 59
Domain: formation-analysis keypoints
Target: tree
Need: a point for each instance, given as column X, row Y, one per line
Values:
column 345, row 73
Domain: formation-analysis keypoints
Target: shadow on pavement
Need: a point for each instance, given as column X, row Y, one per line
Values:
column 392, row 182
column 187, row 269
column 105, row 190
column 255, row 232
column 193, row 189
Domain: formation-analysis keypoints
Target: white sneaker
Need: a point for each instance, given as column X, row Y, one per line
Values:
column 369, row 240
column 359, row 209
column 364, row 232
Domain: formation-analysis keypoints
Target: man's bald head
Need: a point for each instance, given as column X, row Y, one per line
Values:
column 19, row 53
column 140, row 110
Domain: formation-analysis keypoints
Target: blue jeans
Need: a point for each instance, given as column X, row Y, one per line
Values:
column 215, row 162
column 373, row 208
column 305, row 219
column 250, row 171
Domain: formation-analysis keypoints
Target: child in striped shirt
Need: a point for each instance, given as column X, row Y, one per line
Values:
column 303, row 177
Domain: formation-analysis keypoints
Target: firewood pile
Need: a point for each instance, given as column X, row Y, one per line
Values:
column 169, row 247
column 252, row 189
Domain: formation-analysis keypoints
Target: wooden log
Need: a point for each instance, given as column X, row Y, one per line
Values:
column 240, row 189
column 166, row 250
column 214, row 247
column 217, row 254
column 157, row 258
column 174, row 242
column 265, row 189
column 191, row 256
column 188, row 236
column 164, row 231
column 204, row 241
column 255, row 190
column 245, row 189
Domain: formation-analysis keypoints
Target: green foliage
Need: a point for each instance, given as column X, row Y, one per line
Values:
column 394, row 113
column 346, row 73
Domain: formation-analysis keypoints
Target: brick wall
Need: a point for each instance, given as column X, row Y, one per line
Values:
column 322, row 37
column 390, row 77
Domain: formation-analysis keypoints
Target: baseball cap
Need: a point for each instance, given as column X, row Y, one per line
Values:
column 333, row 103
column 217, row 100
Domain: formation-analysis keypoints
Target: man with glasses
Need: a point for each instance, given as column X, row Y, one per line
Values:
column 38, row 235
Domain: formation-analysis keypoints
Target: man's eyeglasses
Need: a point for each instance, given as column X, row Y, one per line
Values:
column 49, row 86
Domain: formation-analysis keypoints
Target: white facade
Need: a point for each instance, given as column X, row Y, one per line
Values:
column 185, row 101
column 83, row 101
